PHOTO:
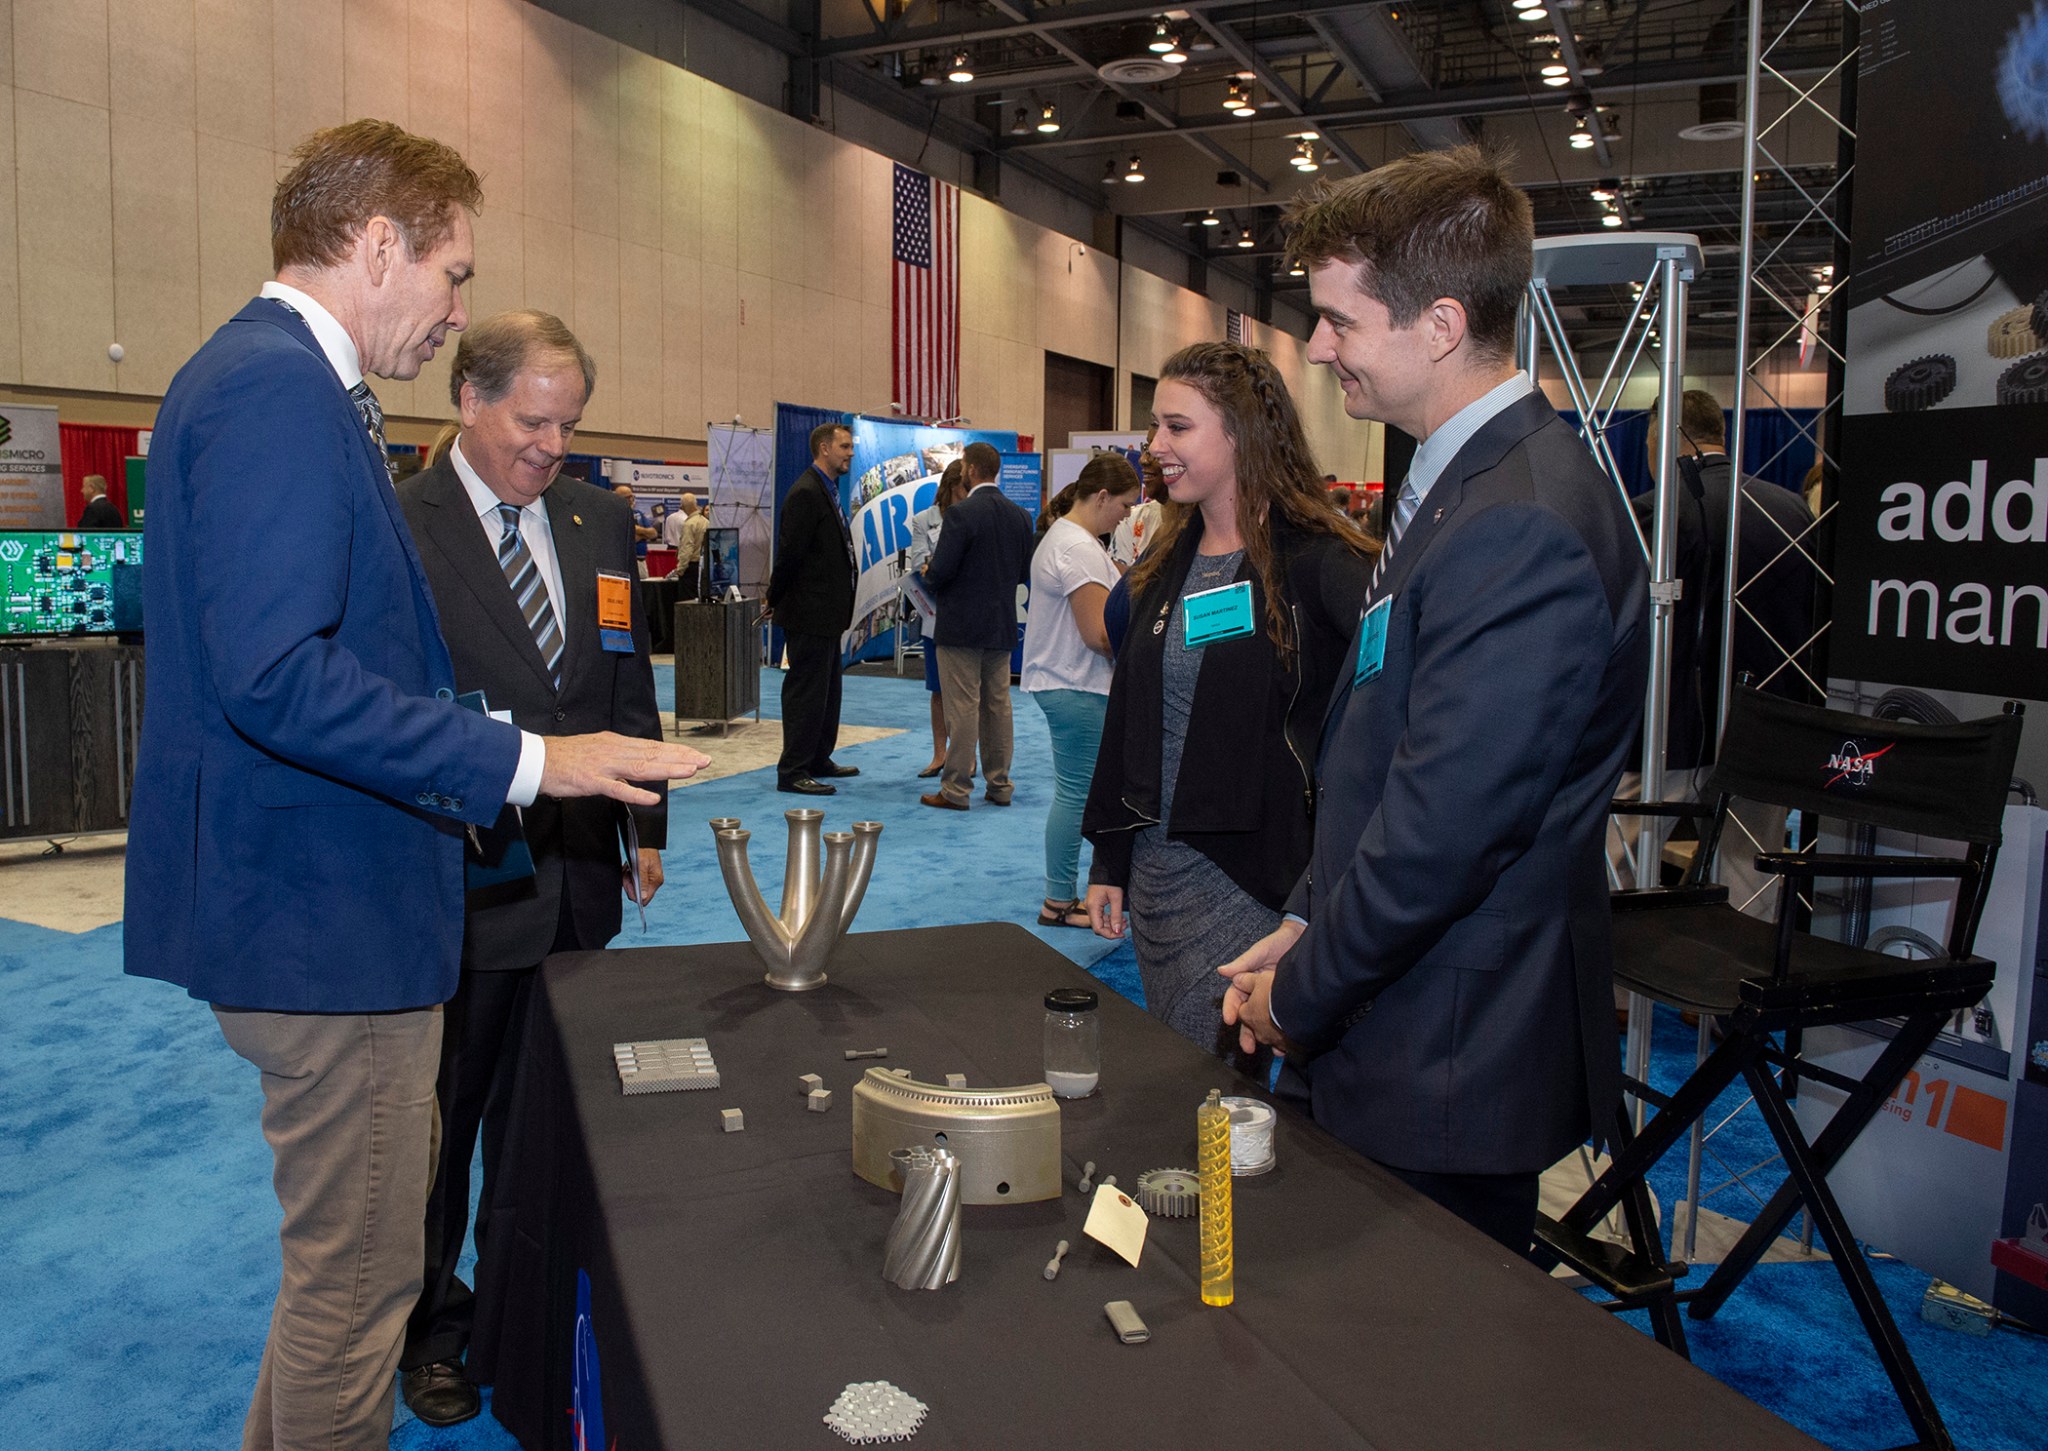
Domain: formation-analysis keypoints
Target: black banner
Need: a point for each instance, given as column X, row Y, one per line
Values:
column 1941, row 551
column 1941, row 521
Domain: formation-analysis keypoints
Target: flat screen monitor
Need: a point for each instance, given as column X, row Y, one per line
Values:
column 59, row 582
column 721, row 561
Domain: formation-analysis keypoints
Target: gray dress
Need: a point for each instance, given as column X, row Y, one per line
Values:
column 1187, row 916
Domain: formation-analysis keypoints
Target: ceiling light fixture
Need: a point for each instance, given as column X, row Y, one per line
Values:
column 1602, row 194
column 1233, row 97
column 1582, row 139
column 1557, row 80
column 1210, row 219
column 1136, row 170
column 1176, row 55
column 962, row 72
column 1244, row 237
column 1296, row 271
column 1109, row 172
column 1610, row 220
column 1539, row 13
column 1047, row 121
column 1022, row 125
column 1304, row 158
column 1162, row 39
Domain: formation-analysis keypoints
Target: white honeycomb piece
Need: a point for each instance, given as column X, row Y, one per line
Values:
column 872, row 1411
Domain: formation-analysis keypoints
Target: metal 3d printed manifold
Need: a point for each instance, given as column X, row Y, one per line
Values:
column 1007, row 1139
column 818, row 902
column 923, row 1249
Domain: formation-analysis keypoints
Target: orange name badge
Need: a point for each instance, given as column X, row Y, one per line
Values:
column 615, row 613
column 614, row 602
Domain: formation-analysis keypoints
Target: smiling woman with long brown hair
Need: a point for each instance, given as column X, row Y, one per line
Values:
column 1242, row 610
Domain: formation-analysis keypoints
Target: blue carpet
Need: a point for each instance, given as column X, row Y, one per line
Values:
column 138, row 1234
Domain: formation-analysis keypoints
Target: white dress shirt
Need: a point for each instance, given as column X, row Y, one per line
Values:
column 340, row 351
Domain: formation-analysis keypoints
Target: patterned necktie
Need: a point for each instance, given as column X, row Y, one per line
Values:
column 522, row 572
column 1404, row 510
column 373, row 416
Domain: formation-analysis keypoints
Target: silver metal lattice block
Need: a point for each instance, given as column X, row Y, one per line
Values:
column 732, row 1120
column 665, row 1065
column 818, row 1100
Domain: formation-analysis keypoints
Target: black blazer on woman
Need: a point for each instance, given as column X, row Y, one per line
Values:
column 1245, row 794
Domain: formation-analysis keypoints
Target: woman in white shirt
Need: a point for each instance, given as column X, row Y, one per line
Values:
column 1067, row 662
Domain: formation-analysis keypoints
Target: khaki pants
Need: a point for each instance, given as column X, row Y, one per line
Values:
column 974, row 686
column 348, row 1112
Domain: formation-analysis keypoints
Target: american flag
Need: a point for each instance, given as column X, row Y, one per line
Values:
column 926, row 290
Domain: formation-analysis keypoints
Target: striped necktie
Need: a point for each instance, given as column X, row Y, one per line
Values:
column 522, row 572
column 373, row 416
column 1404, row 510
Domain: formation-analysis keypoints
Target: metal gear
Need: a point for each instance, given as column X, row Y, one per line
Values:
column 2037, row 314
column 1169, row 1193
column 2014, row 335
column 1920, row 384
column 2025, row 381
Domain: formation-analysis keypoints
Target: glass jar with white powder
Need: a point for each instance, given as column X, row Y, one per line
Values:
column 1073, row 1042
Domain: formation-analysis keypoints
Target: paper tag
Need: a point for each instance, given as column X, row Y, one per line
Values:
column 1217, row 614
column 1372, row 643
column 614, row 602
column 1116, row 1220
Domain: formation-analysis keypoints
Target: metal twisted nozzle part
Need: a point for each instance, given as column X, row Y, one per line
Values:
column 818, row 903
column 923, row 1249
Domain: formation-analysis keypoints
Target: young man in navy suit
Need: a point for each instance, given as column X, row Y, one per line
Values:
column 305, row 774
column 1444, row 983
column 984, row 553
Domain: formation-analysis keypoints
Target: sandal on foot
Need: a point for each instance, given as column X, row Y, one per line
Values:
column 1064, row 914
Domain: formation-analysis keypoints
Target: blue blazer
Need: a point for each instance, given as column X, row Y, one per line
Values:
column 1453, row 988
column 984, row 554
column 295, row 835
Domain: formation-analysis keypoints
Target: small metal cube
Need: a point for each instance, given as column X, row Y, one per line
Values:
column 732, row 1120
column 818, row 1100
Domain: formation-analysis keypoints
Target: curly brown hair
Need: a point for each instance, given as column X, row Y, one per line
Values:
column 345, row 175
column 1275, row 469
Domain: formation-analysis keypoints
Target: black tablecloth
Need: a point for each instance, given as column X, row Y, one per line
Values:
column 735, row 1280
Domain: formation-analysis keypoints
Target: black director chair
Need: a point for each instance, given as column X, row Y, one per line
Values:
column 1686, row 947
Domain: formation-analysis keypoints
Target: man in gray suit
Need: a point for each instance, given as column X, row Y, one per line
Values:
column 533, row 577
column 984, row 553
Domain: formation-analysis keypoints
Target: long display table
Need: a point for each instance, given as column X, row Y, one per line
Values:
column 730, row 1283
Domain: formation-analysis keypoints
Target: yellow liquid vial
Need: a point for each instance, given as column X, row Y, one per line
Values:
column 1212, row 1151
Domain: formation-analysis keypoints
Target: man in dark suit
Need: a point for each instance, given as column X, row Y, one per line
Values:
column 810, row 595
column 984, row 553
column 493, row 523
column 99, row 511
column 305, row 772
column 1445, row 981
column 1774, row 621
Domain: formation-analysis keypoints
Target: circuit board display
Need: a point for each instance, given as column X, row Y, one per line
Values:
column 64, row 582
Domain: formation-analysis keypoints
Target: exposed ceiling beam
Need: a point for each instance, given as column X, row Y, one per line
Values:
column 1249, row 58
column 1030, row 19
column 1165, row 120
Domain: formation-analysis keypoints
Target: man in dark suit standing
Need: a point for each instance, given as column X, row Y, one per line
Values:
column 99, row 511
column 305, row 772
column 810, row 595
column 533, row 578
column 984, row 553
column 1445, row 981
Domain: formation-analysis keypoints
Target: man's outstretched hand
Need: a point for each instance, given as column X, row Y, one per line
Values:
column 607, row 764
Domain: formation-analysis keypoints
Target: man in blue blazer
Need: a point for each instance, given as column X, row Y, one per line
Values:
column 1444, row 987
column 305, row 775
column 984, row 553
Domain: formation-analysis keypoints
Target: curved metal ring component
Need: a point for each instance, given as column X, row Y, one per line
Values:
column 1007, row 1139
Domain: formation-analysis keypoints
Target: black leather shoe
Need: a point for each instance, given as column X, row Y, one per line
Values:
column 837, row 771
column 440, row 1394
column 805, row 786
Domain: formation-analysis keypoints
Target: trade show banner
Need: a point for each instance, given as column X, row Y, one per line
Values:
column 658, row 487
column 31, row 468
column 1941, row 526
column 743, row 498
column 895, row 473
